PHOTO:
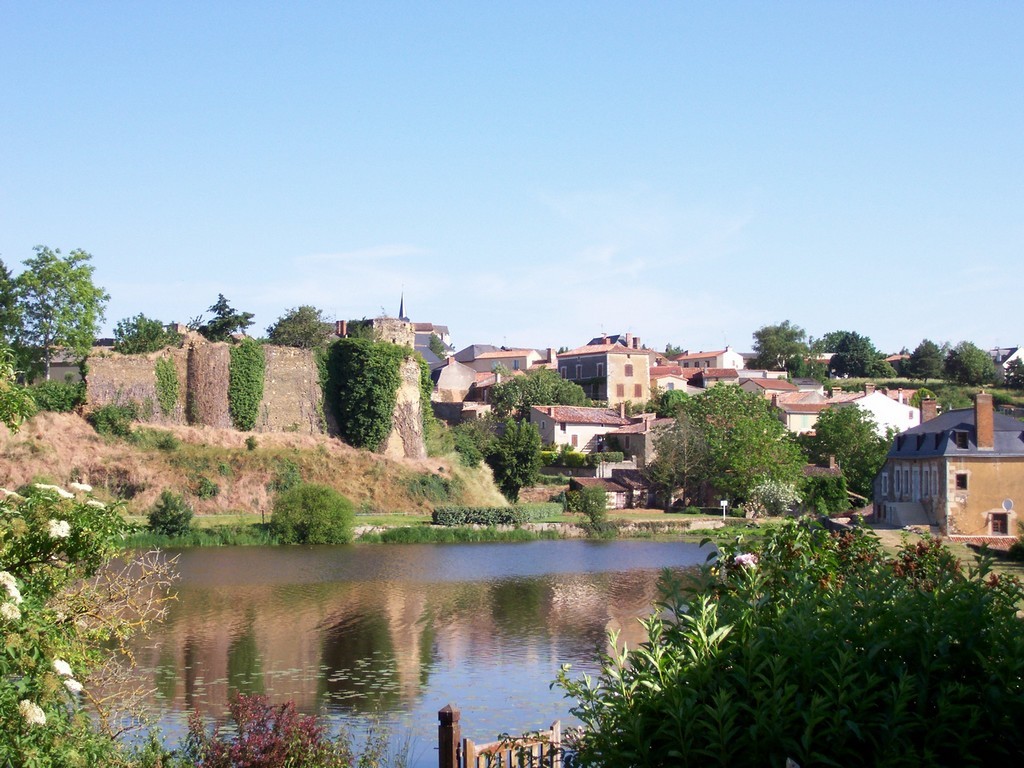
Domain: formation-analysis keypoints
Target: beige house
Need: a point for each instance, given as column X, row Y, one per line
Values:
column 961, row 473
column 719, row 358
column 511, row 359
column 612, row 372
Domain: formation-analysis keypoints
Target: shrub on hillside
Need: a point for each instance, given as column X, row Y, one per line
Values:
column 171, row 515
column 114, row 419
column 58, row 396
column 312, row 514
column 822, row 649
column 481, row 516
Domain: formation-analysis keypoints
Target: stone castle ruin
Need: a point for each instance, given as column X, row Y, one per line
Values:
column 292, row 395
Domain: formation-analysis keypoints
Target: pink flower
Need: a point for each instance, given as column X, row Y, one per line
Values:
column 746, row 560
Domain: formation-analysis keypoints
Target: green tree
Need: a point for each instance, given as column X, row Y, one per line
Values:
column 141, row 334
column 671, row 350
column 225, row 321
column 515, row 458
column 16, row 403
column 437, row 346
column 312, row 514
column 171, row 515
column 60, row 306
column 669, row 403
column 969, row 365
column 854, row 355
column 926, row 361
column 680, row 460
column 746, row 443
column 851, row 436
column 778, row 347
column 1015, row 375
column 517, row 394
column 303, row 327
column 815, row 648
column 10, row 312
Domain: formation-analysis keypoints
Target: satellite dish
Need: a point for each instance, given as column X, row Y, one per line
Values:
column 1007, row 504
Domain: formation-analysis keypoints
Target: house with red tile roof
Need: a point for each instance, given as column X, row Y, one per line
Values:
column 767, row 387
column 583, row 429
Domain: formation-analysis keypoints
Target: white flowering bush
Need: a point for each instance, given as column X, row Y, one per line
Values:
column 63, row 615
column 772, row 498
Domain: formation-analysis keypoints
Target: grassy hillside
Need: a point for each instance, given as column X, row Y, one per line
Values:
column 218, row 473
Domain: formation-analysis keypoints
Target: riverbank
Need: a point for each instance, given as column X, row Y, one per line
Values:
column 416, row 529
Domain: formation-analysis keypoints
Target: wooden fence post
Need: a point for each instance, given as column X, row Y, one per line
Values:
column 449, row 734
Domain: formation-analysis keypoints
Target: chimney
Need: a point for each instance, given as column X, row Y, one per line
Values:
column 551, row 355
column 604, row 339
column 629, row 340
column 983, row 421
column 451, row 360
column 869, row 388
column 622, row 409
column 929, row 409
column 832, row 464
column 341, row 328
column 899, row 396
column 775, row 400
column 636, row 342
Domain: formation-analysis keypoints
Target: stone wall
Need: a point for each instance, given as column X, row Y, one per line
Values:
column 119, row 379
column 406, row 438
column 292, row 396
column 390, row 329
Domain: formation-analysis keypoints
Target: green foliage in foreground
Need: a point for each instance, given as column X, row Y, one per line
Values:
column 312, row 514
column 822, row 649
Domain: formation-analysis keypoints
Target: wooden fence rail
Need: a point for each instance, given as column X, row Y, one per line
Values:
column 536, row 750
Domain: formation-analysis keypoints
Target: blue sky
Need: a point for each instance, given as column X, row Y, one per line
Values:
column 531, row 174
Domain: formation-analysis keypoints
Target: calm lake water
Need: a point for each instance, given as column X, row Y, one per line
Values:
column 401, row 630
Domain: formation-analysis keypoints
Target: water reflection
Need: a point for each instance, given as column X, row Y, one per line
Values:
column 400, row 630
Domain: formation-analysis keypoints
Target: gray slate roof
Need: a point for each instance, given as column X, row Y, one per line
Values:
column 935, row 437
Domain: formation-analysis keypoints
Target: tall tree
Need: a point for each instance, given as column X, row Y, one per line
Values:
column 969, row 365
column 141, row 334
column 225, row 321
column 850, row 435
column 515, row 458
column 746, row 443
column 542, row 386
column 778, row 347
column 926, row 361
column 854, row 355
column 680, row 459
column 60, row 306
column 303, row 327
column 1015, row 375
column 10, row 314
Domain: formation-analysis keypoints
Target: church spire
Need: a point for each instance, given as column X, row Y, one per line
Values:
column 401, row 308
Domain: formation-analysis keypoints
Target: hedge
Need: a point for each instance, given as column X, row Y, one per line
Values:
column 449, row 516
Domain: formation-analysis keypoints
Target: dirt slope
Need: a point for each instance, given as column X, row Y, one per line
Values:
column 218, row 473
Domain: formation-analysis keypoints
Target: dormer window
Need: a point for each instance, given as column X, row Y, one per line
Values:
column 960, row 438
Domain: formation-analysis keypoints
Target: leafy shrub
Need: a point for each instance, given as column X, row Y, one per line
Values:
column 250, row 443
column 826, row 494
column 160, row 439
column 771, row 497
column 265, row 736
column 822, row 649
column 245, row 383
column 312, row 514
column 167, row 386
column 114, row 419
column 594, row 504
column 205, row 488
column 58, row 396
column 548, row 458
column 286, row 477
column 361, row 380
column 449, row 516
column 171, row 515
column 593, row 459
column 433, row 488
